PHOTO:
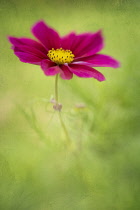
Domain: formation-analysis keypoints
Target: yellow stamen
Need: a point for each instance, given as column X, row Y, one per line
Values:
column 60, row 56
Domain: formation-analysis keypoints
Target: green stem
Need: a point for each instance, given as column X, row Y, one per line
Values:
column 59, row 114
column 56, row 89
column 64, row 128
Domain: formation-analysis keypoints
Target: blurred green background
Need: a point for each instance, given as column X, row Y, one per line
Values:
column 37, row 171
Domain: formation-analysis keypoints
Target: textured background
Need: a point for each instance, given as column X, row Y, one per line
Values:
column 37, row 172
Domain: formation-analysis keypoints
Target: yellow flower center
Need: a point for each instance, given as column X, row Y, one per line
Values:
column 60, row 56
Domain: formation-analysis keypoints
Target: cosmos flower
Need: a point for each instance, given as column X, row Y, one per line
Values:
column 67, row 55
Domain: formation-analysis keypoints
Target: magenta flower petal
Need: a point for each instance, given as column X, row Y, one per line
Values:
column 99, row 60
column 87, row 44
column 65, row 73
column 86, row 71
column 30, row 50
column 46, row 35
column 49, row 68
column 27, row 42
column 67, row 41
column 28, row 58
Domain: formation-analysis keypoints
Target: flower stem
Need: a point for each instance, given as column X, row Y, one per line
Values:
column 56, row 89
column 64, row 128
column 59, row 111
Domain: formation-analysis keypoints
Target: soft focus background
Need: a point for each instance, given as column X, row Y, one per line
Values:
column 37, row 170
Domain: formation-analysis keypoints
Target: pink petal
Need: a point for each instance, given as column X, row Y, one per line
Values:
column 99, row 60
column 65, row 73
column 30, row 50
column 86, row 71
column 27, row 42
column 46, row 35
column 66, row 41
column 28, row 58
column 87, row 44
column 49, row 68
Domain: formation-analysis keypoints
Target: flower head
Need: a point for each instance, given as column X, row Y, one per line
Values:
column 67, row 55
